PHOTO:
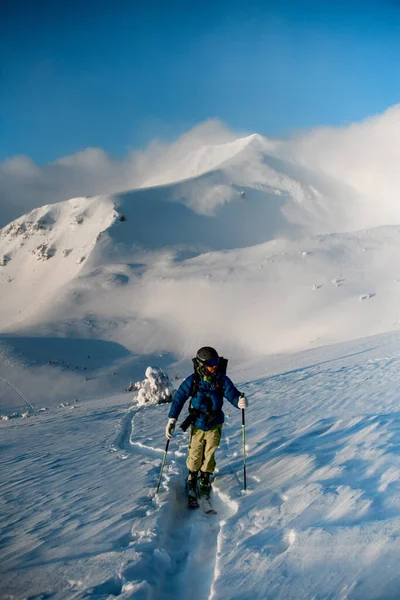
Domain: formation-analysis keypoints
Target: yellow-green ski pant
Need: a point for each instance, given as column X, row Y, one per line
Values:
column 202, row 447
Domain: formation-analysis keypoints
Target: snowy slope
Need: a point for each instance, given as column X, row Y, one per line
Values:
column 41, row 252
column 320, row 518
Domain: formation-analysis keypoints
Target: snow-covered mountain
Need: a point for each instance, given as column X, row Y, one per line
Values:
column 287, row 255
column 265, row 250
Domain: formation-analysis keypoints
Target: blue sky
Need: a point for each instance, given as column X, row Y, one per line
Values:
column 115, row 74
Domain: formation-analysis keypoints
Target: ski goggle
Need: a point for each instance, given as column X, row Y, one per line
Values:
column 214, row 362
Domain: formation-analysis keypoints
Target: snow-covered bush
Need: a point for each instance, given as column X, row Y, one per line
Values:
column 154, row 389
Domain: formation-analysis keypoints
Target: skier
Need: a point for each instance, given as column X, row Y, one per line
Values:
column 207, row 386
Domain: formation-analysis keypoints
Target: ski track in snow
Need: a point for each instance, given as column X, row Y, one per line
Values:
column 185, row 561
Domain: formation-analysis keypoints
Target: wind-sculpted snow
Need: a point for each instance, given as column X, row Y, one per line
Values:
column 320, row 517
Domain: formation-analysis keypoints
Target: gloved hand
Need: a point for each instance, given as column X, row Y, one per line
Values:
column 170, row 428
column 243, row 403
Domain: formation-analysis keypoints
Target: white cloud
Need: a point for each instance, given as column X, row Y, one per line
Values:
column 365, row 156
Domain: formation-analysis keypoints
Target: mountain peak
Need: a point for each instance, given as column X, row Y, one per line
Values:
column 185, row 162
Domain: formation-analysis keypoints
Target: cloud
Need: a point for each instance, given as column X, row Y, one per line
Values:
column 364, row 156
column 25, row 186
column 361, row 158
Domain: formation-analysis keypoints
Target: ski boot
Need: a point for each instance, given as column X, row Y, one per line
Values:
column 192, row 489
column 205, row 484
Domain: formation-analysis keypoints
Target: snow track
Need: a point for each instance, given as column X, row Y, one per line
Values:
column 182, row 556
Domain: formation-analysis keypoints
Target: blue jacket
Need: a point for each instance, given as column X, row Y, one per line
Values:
column 208, row 397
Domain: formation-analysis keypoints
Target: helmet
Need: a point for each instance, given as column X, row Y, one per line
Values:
column 206, row 354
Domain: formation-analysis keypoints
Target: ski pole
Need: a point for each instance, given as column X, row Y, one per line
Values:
column 162, row 466
column 244, row 448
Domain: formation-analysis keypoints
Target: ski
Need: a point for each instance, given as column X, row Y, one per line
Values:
column 193, row 502
column 206, row 505
column 199, row 497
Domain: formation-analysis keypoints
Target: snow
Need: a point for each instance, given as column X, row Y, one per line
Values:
column 319, row 519
column 154, row 389
column 285, row 269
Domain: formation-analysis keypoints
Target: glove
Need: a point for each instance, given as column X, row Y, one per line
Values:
column 170, row 428
column 243, row 403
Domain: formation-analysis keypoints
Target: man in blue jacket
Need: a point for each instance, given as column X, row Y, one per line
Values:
column 207, row 387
